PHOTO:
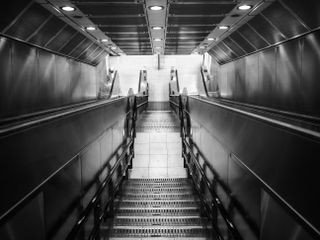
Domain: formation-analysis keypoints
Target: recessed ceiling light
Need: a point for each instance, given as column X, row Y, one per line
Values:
column 157, row 39
column 68, row 8
column 105, row 40
column 244, row 7
column 157, row 28
column 202, row 47
column 223, row 27
column 156, row 8
column 211, row 39
column 113, row 48
column 90, row 28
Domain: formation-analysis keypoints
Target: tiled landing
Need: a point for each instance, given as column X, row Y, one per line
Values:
column 158, row 153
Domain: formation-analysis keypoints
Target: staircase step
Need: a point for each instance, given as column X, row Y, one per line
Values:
column 156, row 204
column 158, row 190
column 168, row 232
column 172, row 196
column 160, row 221
column 194, row 211
column 158, row 180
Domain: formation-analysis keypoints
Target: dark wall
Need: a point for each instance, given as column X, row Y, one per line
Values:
column 270, row 170
column 53, row 168
column 284, row 77
column 32, row 79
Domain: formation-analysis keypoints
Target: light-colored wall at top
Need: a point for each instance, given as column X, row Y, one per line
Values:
column 188, row 67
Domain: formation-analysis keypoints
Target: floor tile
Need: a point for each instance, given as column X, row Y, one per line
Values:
column 158, row 148
column 158, row 161
column 141, row 148
column 174, row 148
column 139, row 172
column 175, row 160
column 158, row 137
column 173, row 137
column 142, row 138
column 158, row 172
column 140, row 160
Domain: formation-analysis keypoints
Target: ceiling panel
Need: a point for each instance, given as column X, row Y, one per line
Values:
column 127, row 21
column 268, row 31
column 285, row 22
column 110, row 9
column 29, row 22
column 308, row 11
column 193, row 21
column 252, row 37
column 201, row 9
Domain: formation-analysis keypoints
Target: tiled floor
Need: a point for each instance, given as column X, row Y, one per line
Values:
column 158, row 148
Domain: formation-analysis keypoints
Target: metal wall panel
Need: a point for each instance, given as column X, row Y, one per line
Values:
column 283, row 77
column 272, row 212
column 275, row 155
column 5, row 75
column 246, row 190
column 44, row 149
column 62, row 80
column 24, row 85
column 267, row 78
column 46, row 75
column 252, row 37
column 288, row 73
column 310, row 84
column 33, row 79
column 28, row 223
column 252, row 91
column 61, row 198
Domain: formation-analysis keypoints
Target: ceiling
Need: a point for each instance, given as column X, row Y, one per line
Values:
column 127, row 26
column 185, row 26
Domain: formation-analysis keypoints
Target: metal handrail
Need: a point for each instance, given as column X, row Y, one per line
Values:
column 295, row 128
column 94, row 201
column 57, row 115
column 235, row 233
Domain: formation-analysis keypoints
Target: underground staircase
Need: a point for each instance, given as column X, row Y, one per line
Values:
column 158, row 208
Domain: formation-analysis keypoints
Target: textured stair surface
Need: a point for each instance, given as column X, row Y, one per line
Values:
column 157, row 209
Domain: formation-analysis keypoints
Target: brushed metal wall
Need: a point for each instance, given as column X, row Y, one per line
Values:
column 33, row 79
column 271, row 171
column 284, row 77
column 56, row 163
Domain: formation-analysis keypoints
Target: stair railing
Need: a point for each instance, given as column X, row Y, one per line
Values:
column 112, row 182
column 198, row 175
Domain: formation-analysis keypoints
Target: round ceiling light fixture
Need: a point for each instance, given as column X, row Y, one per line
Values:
column 156, row 8
column 211, row 39
column 157, row 28
column 113, row 48
column 244, row 7
column 104, row 40
column 202, row 47
column 90, row 28
column 223, row 27
column 68, row 8
column 157, row 39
